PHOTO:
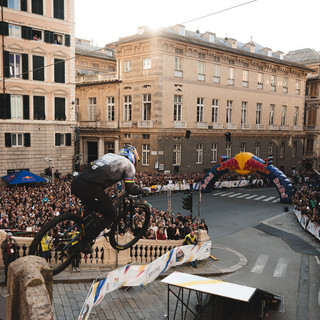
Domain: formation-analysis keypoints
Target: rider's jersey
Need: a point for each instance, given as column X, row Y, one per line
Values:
column 108, row 170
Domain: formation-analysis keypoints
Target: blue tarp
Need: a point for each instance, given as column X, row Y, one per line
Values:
column 22, row 177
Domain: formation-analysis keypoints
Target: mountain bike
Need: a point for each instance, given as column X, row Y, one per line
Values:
column 62, row 244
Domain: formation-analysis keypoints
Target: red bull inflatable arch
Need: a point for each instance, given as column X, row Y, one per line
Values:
column 245, row 163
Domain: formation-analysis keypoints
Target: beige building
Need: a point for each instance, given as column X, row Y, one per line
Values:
column 37, row 97
column 177, row 93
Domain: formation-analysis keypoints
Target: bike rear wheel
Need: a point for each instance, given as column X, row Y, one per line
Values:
column 122, row 234
column 60, row 249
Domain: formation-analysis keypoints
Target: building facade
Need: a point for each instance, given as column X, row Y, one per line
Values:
column 177, row 93
column 37, row 91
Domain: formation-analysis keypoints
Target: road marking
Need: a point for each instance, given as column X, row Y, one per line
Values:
column 260, row 263
column 259, row 198
column 281, row 268
column 276, row 200
column 268, row 199
column 234, row 195
column 226, row 194
column 243, row 195
column 219, row 193
column 250, row 197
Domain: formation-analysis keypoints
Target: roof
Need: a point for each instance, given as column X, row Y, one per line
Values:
column 305, row 56
column 218, row 44
column 94, row 51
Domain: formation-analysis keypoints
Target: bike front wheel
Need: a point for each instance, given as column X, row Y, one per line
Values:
column 57, row 242
column 130, row 226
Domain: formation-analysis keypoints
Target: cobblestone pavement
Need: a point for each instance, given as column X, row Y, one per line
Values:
column 150, row 302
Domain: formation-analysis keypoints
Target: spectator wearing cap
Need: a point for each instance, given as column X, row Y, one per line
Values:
column 10, row 249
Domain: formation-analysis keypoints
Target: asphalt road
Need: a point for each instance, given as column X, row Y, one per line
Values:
column 273, row 265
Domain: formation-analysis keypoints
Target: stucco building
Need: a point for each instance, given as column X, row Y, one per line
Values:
column 177, row 93
column 37, row 91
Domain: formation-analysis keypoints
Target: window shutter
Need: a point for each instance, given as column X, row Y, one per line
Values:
column 25, row 66
column 37, row 6
column 4, row 28
column 26, row 33
column 59, row 71
column 57, row 139
column 27, row 140
column 59, row 107
column 38, row 68
column 6, row 64
column 38, row 108
column 67, row 40
column 48, row 36
column 26, row 113
column 7, row 139
column 24, row 5
column 5, row 110
column 68, row 139
column 58, row 11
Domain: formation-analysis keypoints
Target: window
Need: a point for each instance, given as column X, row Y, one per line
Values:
column 39, row 108
column 58, row 9
column 245, row 78
column 273, row 83
column 146, row 106
column 285, row 85
column 176, row 154
column 260, row 80
column 201, row 71
column 127, row 135
column 200, row 109
column 216, row 73
column 110, row 108
column 37, row 7
column 16, row 106
column 298, row 84
column 109, row 147
column 244, row 112
column 313, row 89
column 16, row 139
column 243, row 147
column 59, row 71
column 258, row 113
column 214, row 152
column 199, row 153
column 145, row 154
column 92, row 109
column 178, row 50
column 294, row 149
column 270, row 148
column 282, row 149
column 59, row 107
column 231, row 77
column 228, row 150
column 127, row 106
column 178, row 67
column 127, row 66
column 271, row 114
column 36, row 35
column 229, row 111
column 311, row 117
column 215, row 110
column 257, row 148
column 14, row 31
column 58, row 38
column 283, row 115
column 309, row 145
column 146, row 63
column 14, row 4
column 15, row 65
column 177, row 108
column 146, row 136
column 296, row 116
column 62, row 139
column 38, row 68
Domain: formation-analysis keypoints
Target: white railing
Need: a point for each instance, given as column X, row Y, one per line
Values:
column 216, row 125
column 273, row 127
column 96, row 77
column 232, row 126
column 202, row 125
column 260, row 126
column 245, row 126
column 285, row 127
column 126, row 124
column 297, row 128
column 179, row 124
column 145, row 124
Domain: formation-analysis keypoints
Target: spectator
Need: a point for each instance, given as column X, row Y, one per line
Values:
column 191, row 239
column 160, row 234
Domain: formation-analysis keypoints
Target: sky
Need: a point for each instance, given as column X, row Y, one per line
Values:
column 282, row 25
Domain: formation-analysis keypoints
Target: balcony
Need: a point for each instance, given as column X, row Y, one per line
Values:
column 231, row 126
column 297, row 128
column 179, row 124
column 273, row 127
column 245, row 126
column 111, row 124
column 216, row 125
column 126, row 124
column 96, row 77
column 260, row 127
column 145, row 124
column 285, row 127
column 202, row 125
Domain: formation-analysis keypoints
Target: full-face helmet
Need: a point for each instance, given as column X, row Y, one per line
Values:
column 131, row 153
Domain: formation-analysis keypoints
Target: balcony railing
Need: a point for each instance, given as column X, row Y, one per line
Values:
column 285, row 127
column 111, row 124
column 202, row 125
column 126, row 124
column 179, row 124
column 245, row 126
column 260, row 127
column 216, row 125
column 273, row 127
column 145, row 124
column 96, row 77
column 232, row 126
column 297, row 128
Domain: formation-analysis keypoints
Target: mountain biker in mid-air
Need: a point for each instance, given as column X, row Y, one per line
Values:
column 91, row 182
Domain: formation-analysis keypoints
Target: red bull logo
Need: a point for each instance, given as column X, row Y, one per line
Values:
column 244, row 163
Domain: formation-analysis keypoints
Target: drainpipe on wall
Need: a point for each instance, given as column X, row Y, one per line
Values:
column 2, row 38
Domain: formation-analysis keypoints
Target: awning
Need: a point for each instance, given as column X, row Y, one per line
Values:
column 22, row 177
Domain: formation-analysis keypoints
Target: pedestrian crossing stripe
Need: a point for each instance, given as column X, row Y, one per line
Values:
column 247, row 196
column 262, row 260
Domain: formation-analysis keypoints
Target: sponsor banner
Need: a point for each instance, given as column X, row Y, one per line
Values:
column 307, row 224
column 304, row 221
column 312, row 228
column 133, row 275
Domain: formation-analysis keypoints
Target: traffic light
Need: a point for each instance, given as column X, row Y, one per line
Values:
column 187, row 201
column 228, row 136
column 188, row 132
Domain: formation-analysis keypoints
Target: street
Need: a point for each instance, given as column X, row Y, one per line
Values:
column 273, row 265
